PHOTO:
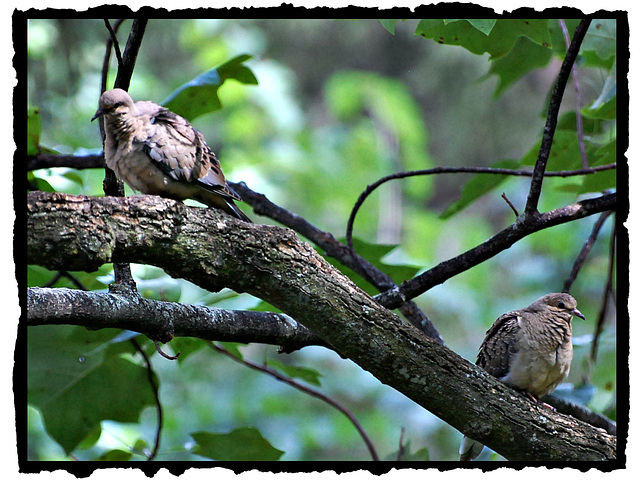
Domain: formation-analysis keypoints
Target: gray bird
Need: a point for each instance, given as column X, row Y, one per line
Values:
column 157, row 152
column 529, row 350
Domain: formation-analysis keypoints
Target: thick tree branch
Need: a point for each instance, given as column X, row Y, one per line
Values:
column 214, row 251
column 164, row 320
column 335, row 249
column 496, row 244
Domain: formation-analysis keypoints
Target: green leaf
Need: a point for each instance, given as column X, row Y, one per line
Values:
column 200, row 95
column 309, row 375
column 76, row 384
column 497, row 43
column 477, row 186
column 599, row 182
column 606, row 111
column 522, row 58
column 242, row 444
column 483, row 25
column 115, row 456
column 601, row 38
column 389, row 25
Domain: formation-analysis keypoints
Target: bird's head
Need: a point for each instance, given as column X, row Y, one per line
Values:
column 114, row 102
column 560, row 303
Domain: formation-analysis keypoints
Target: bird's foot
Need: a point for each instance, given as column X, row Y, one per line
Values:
column 538, row 401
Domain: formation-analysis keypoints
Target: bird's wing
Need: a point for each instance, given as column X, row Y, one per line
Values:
column 500, row 345
column 181, row 151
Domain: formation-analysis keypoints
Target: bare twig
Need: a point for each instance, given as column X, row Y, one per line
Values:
column 303, row 388
column 125, row 71
column 401, row 452
column 576, row 80
column 156, row 396
column 608, row 291
column 114, row 40
column 162, row 353
column 584, row 252
column 515, row 211
column 535, row 189
column 112, row 186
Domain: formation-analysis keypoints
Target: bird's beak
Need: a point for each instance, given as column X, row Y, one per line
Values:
column 98, row 113
column 577, row 313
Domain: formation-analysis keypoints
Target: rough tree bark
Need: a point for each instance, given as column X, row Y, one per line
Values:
column 214, row 251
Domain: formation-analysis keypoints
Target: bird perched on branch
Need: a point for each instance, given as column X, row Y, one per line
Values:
column 529, row 350
column 157, row 152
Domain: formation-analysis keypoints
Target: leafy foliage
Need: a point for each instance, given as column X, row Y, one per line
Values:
column 311, row 137
column 77, row 381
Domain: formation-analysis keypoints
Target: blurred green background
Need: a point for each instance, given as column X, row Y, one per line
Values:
column 338, row 104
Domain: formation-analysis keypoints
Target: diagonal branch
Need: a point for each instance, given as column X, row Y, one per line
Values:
column 338, row 250
column 272, row 263
column 308, row 391
column 496, row 244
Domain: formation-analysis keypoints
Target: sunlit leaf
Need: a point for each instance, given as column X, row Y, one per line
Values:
column 200, row 95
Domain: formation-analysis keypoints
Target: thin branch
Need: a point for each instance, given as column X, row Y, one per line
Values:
column 580, row 412
column 576, row 80
column 535, row 189
column 513, row 208
column 584, row 252
column 608, row 290
column 496, row 244
column 79, row 162
column 64, row 274
column 125, row 70
column 156, row 395
column 441, row 170
column 303, row 388
column 113, row 41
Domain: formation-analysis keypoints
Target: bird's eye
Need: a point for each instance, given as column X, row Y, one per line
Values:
column 117, row 104
column 561, row 305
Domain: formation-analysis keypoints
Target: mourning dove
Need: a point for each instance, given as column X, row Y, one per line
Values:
column 529, row 350
column 157, row 152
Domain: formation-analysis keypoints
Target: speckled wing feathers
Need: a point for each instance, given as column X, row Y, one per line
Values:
column 181, row 151
column 500, row 345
